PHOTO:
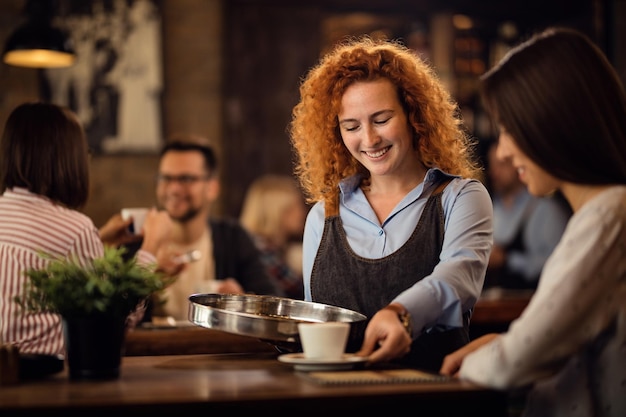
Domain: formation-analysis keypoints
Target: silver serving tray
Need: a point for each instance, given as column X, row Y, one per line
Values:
column 271, row 319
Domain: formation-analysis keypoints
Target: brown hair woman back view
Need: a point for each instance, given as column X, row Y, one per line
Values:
column 44, row 180
column 44, row 150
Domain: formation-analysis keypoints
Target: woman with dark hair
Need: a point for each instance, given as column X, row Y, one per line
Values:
column 561, row 112
column 401, row 226
column 44, row 181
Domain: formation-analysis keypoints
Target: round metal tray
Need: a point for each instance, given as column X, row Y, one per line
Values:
column 271, row 319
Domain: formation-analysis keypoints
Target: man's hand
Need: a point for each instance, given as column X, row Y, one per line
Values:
column 156, row 230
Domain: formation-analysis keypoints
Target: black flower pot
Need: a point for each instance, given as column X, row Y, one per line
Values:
column 94, row 346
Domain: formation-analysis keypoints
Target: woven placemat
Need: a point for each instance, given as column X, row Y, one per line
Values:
column 392, row 376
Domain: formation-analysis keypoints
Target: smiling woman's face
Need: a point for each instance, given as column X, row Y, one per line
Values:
column 538, row 181
column 375, row 129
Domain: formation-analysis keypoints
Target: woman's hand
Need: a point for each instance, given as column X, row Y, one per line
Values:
column 385, row 337
column 452, row 362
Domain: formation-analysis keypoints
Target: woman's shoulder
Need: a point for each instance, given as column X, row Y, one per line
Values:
column 459, row 187
column 614, row 195
column 50, row 227
column 469, row 196
column 317, row 211
column 75, row 222
column 42, row 209
column 456, row 183
column 611, row 203
column 315, row 218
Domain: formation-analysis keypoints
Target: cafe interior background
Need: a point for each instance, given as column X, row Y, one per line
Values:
column 229, row 70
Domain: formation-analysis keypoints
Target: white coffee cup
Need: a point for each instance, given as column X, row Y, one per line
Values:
column 139, row 216
column 325, row 340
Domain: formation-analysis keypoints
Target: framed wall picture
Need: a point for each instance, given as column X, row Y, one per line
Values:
column 116, row 82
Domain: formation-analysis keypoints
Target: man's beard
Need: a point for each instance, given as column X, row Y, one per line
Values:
column 190, row 214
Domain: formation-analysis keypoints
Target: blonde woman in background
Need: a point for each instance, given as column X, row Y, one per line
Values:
column 273, row 212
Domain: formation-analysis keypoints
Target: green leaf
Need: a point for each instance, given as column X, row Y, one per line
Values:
column 108, row 285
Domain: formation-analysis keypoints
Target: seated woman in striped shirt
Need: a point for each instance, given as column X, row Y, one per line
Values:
column 44, row 181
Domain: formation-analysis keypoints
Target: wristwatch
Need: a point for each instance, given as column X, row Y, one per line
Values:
column 404, row 316
column 405, row 319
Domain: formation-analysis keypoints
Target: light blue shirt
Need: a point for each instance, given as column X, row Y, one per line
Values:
column 542, row 221
column 456, row 282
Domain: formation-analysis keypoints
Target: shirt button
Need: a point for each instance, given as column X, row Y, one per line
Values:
column 381, row 232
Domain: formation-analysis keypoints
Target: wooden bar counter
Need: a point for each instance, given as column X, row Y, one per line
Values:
column 255, row 383
column 493, row 312
column 189, row 340
column 496, row 309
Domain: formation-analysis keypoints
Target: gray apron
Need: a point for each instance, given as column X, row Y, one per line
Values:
column 342, row 278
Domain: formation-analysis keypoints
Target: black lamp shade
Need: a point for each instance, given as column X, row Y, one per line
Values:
column 37, row 44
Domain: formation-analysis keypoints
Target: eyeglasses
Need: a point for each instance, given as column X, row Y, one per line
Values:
column 181, row 179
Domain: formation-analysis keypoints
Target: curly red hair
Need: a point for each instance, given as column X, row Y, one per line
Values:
column 322, row 160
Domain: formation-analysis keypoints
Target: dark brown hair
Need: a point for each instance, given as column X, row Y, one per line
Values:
column 44, row 149
column 564, row 106
column 191, row 143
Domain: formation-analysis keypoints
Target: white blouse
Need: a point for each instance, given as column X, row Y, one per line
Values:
column 570, row 342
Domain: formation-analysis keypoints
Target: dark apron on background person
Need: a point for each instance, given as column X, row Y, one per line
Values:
column 342, row 278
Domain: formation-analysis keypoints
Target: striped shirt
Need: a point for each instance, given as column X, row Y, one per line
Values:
column 30, row 224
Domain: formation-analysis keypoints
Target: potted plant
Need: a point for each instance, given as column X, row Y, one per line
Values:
column 94, row 302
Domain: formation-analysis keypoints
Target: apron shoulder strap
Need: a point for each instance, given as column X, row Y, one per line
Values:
column 442, row 185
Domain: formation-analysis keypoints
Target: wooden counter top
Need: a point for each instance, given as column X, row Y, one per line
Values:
column 502, row 309
column 496, row 309
column 493, row 312
column 189, row 340
column 258, row 383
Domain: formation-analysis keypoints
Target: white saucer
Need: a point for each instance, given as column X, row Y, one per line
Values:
column 300, row 363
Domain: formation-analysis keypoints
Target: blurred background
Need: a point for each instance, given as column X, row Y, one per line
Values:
column 229, row 70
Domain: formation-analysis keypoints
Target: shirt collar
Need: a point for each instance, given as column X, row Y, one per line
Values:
column 349, row 185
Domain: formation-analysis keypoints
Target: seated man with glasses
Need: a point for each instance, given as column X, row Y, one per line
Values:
column 228, row 262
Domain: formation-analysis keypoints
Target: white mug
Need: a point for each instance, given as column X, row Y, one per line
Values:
column 139, row 216
column 325, row 340
column 210, row 287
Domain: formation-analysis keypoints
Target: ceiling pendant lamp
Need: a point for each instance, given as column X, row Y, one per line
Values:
column 37, row 44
